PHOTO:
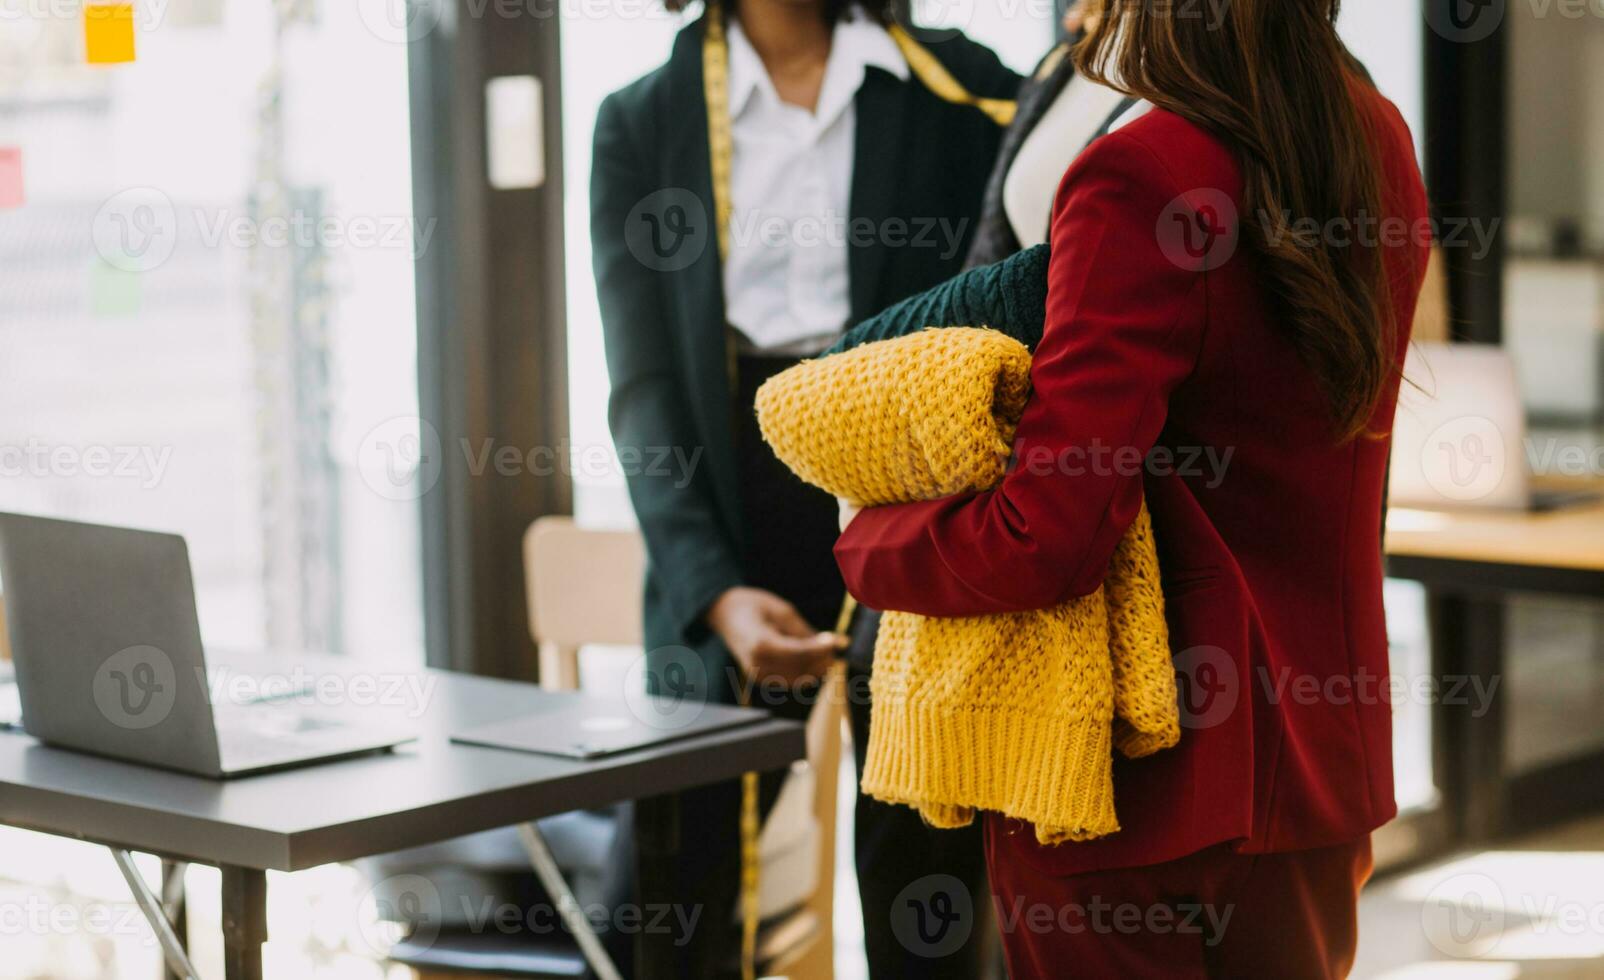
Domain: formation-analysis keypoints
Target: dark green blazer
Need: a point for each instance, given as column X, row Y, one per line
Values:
column 920, row 170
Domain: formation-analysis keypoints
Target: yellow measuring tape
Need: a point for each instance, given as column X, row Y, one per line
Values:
column 721, row 144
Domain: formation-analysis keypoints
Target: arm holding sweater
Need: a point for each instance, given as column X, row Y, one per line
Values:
column 1010, row 296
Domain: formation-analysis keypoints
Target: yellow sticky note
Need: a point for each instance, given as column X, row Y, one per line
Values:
column 109, row 33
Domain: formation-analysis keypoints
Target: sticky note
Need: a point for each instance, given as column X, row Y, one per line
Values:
column 109, row 33
column 114, row 291
column 11, row 195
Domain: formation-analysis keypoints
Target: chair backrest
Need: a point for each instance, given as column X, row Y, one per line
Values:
column 584, row 586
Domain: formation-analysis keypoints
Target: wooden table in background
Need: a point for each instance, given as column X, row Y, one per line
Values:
column 1470, row 562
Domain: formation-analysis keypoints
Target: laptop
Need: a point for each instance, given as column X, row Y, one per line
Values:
column 1460, row 436
column 107, row 650
column 577, row 726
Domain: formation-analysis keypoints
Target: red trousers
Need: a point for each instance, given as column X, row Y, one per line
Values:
column 1212, row 914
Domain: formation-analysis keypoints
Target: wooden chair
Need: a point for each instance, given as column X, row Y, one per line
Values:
column 5, row 637
column 584, row 588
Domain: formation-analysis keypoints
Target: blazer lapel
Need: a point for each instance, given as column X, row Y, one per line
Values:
column 699, row 289
column 687, row 164
column 882, row 109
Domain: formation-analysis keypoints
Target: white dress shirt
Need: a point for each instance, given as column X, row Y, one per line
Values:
column 1063, row 131
column 786, row 286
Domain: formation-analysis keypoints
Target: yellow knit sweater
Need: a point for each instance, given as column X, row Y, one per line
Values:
column 1017, row 713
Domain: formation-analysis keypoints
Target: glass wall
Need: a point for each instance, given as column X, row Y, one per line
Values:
column 206, row 307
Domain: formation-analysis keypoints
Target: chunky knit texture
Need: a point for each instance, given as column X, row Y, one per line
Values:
column 1017, row 713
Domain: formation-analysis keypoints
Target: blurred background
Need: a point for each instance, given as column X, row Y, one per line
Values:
column 283, row 279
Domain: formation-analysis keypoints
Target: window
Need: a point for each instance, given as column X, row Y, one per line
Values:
column 207, row 306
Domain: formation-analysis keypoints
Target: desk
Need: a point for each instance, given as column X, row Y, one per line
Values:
column 1470, row 562
column 424, row 792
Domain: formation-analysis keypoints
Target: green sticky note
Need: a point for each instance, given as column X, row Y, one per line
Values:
column 113, row 291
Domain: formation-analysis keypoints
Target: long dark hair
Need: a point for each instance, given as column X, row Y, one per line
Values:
column 1273, row 79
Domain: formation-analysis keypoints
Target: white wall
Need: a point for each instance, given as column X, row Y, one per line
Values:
column 1386, row 36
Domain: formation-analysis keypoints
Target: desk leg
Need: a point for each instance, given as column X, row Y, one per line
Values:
column 1468, row 641
column 244, row 922
column 173, row 906
column 657, row 847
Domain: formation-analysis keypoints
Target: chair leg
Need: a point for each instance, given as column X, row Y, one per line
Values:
column 559, row 667
column 824, row 755
column 173, row 951
column 551, row 877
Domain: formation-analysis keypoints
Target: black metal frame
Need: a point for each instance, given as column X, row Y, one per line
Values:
column 492, row 333
column 1466, row 138
column 1483, row 797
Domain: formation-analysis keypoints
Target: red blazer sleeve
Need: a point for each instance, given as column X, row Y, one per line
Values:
column 1125, row 316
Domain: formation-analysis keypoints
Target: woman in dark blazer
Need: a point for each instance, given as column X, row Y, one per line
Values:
column 741, row 584
column 1186, row 315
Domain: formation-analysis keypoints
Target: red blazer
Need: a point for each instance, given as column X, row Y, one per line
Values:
column 1162, row 343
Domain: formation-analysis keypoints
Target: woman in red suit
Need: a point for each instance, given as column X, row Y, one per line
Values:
column 1231, row 280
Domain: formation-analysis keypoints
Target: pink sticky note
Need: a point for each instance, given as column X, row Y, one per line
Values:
column 10, row 177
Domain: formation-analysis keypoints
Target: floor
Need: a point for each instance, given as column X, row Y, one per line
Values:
column 1532, row 910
